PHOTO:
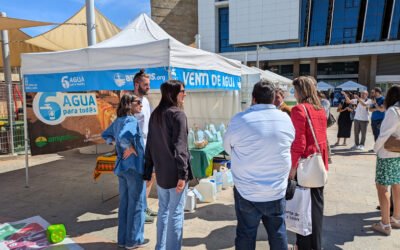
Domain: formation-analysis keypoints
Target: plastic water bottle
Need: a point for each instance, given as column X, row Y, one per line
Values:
column 191, row 138
column 218, row 180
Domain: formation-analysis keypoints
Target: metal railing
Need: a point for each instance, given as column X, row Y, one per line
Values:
column 17, row 118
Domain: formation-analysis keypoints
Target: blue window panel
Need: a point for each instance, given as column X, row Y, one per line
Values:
column 395, row 26
column 352, row 3
column 223, row 30
column 282, row 45
column 373, row 20
column 303, row 17
column 319, row 21
column 345, row 21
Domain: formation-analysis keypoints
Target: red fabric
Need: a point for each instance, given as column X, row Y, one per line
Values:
column 304, row 144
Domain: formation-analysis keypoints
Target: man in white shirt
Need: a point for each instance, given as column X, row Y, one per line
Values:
column 141, row 82
column 361, row 119
column 258, row 141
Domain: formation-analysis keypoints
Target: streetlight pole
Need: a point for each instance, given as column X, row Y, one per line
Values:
column 7, row 77
column 91, row 22
column 258, row 60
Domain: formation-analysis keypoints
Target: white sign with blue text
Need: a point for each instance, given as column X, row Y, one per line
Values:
column 52, row 108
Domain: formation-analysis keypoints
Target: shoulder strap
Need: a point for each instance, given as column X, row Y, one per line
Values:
column 312, row 128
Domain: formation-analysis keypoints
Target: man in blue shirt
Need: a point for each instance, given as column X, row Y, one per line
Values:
column 378, row 111
column 258, row 141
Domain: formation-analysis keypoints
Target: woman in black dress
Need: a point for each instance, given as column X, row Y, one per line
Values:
column 344, row 121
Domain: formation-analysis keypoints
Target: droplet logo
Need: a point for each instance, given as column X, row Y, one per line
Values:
column 47, row 107
column 65, row 82
column 119, row 79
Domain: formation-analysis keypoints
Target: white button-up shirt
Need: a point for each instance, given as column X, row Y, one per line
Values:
column 390, row 126
column 258, row 141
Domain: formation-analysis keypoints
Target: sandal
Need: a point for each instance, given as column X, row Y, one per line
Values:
column 382, row 228
column 395, row 222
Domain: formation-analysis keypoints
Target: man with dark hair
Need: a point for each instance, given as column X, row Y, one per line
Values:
column 258, row 141
column 141, row 85
column 378, row 111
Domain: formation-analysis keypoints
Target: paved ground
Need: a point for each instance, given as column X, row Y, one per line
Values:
column 62, row 191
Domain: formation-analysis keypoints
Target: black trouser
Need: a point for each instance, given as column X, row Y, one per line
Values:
column 313, row 241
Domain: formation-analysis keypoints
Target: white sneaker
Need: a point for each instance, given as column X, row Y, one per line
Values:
column 361, row 148
column 355, row 147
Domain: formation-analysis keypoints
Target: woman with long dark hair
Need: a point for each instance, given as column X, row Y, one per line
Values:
column 388, row 164
column 345, row 121
column 304, row 145
column 126, row 133
column 168, row 152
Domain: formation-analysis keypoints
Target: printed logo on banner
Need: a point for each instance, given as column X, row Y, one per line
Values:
column 72, row 81
column 119, row 79
column 65, row 82
column 173, row 74
column 52, row 108
column 42, row 141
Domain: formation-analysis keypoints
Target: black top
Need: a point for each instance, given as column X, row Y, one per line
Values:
column 167, row 149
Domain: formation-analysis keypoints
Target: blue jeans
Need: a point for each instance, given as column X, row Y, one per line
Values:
column 170, row 218
column 249, row 214
column 376, row 128
column 132, row 203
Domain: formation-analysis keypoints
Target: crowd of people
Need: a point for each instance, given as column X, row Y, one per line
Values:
column 152, row 144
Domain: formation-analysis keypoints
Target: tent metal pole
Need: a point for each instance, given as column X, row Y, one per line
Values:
column 26, row 139
column 91, row 22
column 8, row 80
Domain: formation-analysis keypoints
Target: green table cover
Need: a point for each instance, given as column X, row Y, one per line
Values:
column 202, row 157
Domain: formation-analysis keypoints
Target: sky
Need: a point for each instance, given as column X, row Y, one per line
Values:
column 120, row 12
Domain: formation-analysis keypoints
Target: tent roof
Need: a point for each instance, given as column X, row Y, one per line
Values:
column 72, row 34
column 271, row 76
column 17, row 46
column 249, row 71
column 143, row 30
column 8, row 23
column 324, row 86
column 350, row 85
column 141, row 44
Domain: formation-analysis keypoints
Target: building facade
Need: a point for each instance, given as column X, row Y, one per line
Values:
column 177, row 17
column 332, row 40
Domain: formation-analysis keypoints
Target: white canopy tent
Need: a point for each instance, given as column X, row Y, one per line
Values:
column 352, row 86
column 212, row 81
column 323, row 86
column 251, row 75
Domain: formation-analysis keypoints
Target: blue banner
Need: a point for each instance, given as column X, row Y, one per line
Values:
column 91, row 80
column 123, row 80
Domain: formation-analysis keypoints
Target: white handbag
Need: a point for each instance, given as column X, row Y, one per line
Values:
column 311, row 171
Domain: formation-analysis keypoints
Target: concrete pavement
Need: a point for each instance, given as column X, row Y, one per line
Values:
column 62, row 191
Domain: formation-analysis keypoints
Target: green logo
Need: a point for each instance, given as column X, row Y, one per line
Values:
column 41, row 141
